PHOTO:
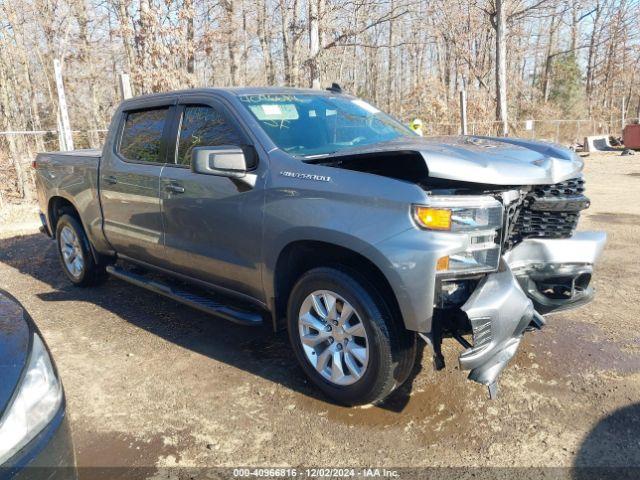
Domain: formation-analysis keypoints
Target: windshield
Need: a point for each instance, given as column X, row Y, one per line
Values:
column 309, row 125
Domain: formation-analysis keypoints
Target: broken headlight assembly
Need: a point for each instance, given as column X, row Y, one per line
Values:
column 477, row 218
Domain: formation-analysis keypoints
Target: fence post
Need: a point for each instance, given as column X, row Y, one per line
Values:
column 66, row 139
column 463, row 112
column 125, row 86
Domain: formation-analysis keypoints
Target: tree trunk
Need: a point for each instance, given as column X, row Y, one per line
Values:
column 7, row 107
column 390, row 63
column 548, row 64
column 575, row 26
column 85, row 53
column 501, row 68
column 143, row 40
column 294, row 35
column 190, row 34
column 286, row 44
column 591, row 57
column 232, row 43
column 265, row 42
column 314, row 44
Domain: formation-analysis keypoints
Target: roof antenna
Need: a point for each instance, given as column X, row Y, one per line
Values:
column 335, row 88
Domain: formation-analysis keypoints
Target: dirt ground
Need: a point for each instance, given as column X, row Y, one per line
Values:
column 152, row 383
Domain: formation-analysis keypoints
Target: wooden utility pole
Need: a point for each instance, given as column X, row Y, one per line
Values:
column 65, row 137
column 463, row 112
column 125, row 86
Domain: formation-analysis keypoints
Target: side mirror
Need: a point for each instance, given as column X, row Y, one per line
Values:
column 225, row 160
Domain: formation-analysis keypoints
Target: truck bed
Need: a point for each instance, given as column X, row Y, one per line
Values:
column 72, row 177
column 84, row 152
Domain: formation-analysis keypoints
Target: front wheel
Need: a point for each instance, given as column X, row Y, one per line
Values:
column 345, row 338
column 75, row 254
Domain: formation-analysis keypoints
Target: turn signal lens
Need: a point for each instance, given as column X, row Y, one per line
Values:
column 442, row 264
column 433, row 218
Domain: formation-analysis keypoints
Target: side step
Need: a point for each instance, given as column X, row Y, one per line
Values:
column 203, row 303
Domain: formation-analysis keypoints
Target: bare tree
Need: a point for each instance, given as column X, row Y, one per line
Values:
column 499, row 22
column 410, row 56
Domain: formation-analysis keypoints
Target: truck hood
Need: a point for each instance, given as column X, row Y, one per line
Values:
column 484, row 160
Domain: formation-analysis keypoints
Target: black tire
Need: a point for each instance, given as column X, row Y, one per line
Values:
column 91, row 272
column 392, row 348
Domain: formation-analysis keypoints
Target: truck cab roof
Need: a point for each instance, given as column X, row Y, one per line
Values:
column 227, row 92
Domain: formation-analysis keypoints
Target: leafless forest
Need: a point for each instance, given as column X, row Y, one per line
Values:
column 546, row 60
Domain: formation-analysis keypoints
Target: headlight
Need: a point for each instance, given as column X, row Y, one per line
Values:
column 37, row 399
column 459, row 213
column 478, row 217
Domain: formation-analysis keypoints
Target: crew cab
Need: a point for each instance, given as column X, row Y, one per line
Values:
column 314, row 211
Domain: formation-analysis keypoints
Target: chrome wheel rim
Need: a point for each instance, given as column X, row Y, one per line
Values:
column 333, row 337
column 71, row 251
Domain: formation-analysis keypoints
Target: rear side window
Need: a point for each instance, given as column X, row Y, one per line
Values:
column 203, row 126
column 142, row 135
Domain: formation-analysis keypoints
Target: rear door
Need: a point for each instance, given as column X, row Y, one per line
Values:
column 212, row 224
column 130, row 183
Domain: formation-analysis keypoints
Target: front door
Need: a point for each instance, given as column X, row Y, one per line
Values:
column 130, row 185
column 212, row 224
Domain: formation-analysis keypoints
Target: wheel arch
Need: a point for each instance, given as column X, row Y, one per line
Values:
column 59, row 205
column 300, row 256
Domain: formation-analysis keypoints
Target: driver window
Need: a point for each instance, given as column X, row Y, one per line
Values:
column 203, row 126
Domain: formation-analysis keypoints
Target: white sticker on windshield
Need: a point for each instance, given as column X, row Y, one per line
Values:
column 271, row 109
column 273, row 112
column 364, row 105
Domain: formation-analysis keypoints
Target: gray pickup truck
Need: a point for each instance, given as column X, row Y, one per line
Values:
column 313, row 210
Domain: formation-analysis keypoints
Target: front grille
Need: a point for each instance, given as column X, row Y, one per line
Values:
column 571, row 187
column 547, row 211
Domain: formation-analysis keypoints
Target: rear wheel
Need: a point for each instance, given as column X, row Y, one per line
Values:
column 75, row 253
column 345, row 339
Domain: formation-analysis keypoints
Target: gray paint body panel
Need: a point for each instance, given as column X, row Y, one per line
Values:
column 233, row 238
column 230, row 232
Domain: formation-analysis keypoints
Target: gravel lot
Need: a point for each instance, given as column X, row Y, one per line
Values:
column 151, row 383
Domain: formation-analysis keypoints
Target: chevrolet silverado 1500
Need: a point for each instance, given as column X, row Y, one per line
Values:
column 315, row 211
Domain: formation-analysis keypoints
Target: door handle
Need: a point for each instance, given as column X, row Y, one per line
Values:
column 110, row 179
column 174, row 188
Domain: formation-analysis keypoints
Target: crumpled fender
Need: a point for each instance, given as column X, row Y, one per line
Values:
column 499, row 312
column 536, row 277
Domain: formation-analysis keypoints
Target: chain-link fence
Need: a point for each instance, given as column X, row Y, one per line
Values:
column 19, row 148
column 559, row 131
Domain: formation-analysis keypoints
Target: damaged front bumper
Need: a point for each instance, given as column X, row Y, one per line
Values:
column 556, row 274
column 536, row 277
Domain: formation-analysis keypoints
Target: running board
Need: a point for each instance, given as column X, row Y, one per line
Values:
column 200, row 302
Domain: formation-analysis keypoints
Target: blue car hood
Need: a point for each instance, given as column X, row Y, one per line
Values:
column 15, row 344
